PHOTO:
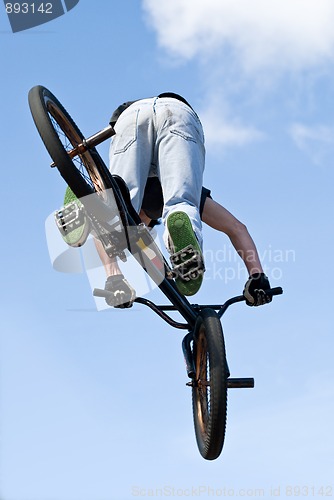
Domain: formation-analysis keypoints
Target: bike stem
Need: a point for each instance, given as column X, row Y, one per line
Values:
column 90, row 142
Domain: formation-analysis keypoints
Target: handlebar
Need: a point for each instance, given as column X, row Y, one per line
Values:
column 221, row 308
column 239, row 298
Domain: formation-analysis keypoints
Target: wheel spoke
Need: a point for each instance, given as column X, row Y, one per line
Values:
column 70, row 139
column 68, row 146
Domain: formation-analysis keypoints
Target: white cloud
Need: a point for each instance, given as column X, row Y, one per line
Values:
column 320, row 133
column 243, row 47
column 219, row 130
column 315, row 141
column 280, row 34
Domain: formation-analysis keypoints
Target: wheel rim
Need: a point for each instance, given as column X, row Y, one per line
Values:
column 69, row 139
column 203, row 390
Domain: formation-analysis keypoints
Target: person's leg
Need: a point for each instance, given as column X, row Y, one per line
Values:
column 180, row 156
column 132, row 146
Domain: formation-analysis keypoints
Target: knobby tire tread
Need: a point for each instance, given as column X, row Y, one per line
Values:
column 210, row 442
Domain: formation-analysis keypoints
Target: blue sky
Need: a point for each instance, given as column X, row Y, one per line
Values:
column 94, row 405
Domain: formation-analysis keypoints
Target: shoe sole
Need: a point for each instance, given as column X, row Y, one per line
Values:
column 182, row 234
column 78, row 236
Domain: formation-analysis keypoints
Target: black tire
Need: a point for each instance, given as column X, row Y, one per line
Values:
column 209, row 392
column 86, row 173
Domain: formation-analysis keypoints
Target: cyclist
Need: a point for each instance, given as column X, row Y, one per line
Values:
column 158, row 150
column 162, row 137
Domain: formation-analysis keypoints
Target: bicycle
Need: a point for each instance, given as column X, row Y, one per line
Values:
column 106, row 202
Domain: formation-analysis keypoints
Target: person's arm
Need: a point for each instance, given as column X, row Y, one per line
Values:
column 110, row 264
column 217, row 217
column 122, row 294
column 221, row 219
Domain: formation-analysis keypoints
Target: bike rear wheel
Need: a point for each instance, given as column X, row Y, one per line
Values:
column 86, row 173
column 209, row 392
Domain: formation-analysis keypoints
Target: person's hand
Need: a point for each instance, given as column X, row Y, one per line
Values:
column 122, row 294
column 254, row 291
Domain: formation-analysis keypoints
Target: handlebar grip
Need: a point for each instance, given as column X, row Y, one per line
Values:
column 274, row 291
column 98, row 292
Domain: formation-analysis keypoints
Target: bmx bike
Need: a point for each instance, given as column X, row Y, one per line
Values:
column 100, row 193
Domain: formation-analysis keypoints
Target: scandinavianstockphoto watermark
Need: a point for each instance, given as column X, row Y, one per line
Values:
column 226, row 265
column 275, row 491
column 24, row 15
column 195, row 491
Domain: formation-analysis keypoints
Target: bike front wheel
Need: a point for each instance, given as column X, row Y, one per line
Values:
column 209, row 391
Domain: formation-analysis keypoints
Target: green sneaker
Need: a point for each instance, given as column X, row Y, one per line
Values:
column 187, row 257
column 72, row 221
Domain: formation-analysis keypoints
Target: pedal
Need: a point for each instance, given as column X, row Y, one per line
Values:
column 240, row 383
column 70, row 217
column 187, row 263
